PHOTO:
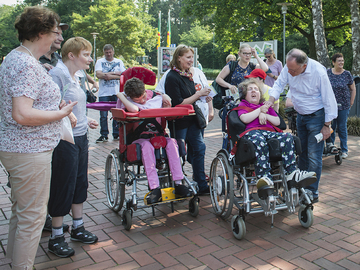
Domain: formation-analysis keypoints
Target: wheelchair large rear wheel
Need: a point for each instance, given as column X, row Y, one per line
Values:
column 114, row 180
column 221, row 185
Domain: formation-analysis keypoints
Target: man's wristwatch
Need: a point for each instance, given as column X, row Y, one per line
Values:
column 327, row 125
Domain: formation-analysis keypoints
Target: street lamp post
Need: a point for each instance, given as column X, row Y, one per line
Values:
column 94, row 35
column 284, row 7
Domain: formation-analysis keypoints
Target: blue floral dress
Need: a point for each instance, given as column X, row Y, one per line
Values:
column 340, row 85
column 239, row 73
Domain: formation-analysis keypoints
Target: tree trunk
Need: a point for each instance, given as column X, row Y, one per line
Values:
column 319, row 34
column 354, row 9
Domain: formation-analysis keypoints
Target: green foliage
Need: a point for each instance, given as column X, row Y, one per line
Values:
column 8, row 34
column 198, row 36
column 235, row 21
column 211, row 74
column 118, row 23
column 353, row 125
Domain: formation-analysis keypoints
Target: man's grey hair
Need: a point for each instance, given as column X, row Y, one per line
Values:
column 300, row 57
column 108, row 47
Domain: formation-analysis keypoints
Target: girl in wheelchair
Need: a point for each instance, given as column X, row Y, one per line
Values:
column 133, row 99
column 261, row 121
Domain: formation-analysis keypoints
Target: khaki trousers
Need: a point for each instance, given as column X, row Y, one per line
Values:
column 30, row 183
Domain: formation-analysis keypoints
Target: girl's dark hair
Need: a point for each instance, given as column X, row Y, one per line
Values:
column 35, row 20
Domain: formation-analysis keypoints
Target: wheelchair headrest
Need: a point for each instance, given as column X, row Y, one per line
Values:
column 144, row 74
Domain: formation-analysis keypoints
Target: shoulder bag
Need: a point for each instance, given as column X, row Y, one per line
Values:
column 218, row 102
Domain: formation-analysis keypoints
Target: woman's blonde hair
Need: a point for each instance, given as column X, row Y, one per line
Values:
column 179, row 51
column 243, row 46
column 243, row 88
column 75, row 45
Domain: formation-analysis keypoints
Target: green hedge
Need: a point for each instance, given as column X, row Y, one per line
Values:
column 353, row 125
column 211, row 74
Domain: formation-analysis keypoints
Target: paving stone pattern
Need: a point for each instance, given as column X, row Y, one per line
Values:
column 178, row 241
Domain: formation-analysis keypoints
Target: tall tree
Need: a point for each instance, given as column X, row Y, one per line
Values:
column 319, row 34
column 235, row 21
column 118, row 23
column 8, row 34
column 355, row 27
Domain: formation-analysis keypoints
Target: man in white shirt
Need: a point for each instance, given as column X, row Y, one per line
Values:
column 108, row 71
column 314, row 100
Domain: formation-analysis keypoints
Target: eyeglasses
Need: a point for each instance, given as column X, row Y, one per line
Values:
column 246, row 53
column 267, row 56
column 56, row 32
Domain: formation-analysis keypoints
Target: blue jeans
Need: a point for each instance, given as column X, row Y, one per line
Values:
column 193, row 136
column 341, row 123
column 104, row 130
column 311, row 157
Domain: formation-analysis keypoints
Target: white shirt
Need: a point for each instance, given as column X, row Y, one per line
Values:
column 310, row 90
column 110, row 87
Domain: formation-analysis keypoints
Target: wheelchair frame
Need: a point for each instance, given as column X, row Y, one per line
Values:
column 235, row 184
column 121, row 174
column 291, row 115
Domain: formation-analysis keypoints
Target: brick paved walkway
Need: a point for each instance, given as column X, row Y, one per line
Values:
column 178, row 241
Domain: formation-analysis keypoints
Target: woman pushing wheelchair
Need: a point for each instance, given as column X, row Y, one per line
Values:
column 261, row 121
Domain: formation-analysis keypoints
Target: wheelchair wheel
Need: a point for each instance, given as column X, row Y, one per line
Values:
column 238, row 227
column 114, row 181
column 194, row 206
column 306, row 216
column 221, row 185
column 127, row 219
column 338, row 159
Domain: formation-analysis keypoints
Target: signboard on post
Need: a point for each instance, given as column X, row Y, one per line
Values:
column 260, row 47
column 165, row 55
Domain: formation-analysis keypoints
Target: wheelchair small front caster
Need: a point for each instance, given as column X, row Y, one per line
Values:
column 338, row 159
column 194, row 206
column 238, row 227
column 306, row 216
column 127, row 219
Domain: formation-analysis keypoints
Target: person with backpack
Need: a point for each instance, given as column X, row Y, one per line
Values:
column 243, row 68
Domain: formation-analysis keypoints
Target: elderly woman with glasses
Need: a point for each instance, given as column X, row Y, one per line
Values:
column 242, row 69
column 30, row 130
column 274, row 65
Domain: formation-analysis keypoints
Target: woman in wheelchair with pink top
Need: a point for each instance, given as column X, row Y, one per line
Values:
column 261, row 121
column 133, row 99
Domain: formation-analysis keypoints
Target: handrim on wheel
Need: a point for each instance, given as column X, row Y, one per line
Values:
column 114, row 181
column 221, row 185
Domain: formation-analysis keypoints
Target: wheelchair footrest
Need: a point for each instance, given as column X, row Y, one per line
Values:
column 302, row 184
column 265, row 191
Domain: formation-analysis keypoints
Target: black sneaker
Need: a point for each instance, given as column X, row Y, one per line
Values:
column 101, row 139
column 204, row 192
column 48, row 225
column 182, row 191
column 59, row 247
column 116, row 137
column 82, row 235
column 154, row 196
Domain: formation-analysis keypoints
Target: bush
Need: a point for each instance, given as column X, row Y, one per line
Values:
column 211, row 74
column 353, row 125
